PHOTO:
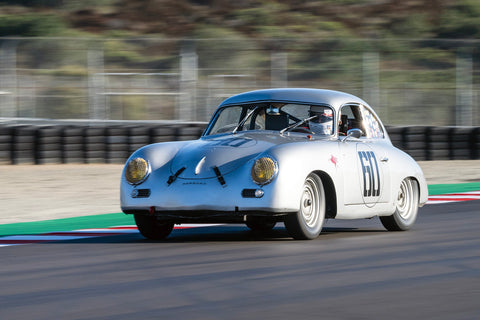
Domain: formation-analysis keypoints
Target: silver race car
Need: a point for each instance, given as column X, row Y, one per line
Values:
column 297, row 156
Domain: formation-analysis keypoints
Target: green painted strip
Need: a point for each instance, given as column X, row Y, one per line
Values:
column 119, row 219
column 436, row 189
column 67, row 224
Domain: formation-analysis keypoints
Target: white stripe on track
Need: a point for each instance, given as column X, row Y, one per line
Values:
column 107, row 230
column 454, row 197
column 40, row 237
column 438, row 202
column 77, row 234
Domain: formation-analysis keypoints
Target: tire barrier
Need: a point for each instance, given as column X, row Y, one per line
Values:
column 476, row 143
column 5, row 145
column 24, row 144
column 117, row 145
column 437, row 143
column 462, row 139
column 94, row 145
column 415, row 143
column 138, row 137
column 113, row 143
column 48, row 145
column 73, row 145
column 163, row 134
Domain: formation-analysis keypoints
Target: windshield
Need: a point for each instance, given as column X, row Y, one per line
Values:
column 273, row 116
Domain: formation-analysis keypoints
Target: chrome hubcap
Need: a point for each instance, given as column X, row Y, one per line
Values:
column 309, row 207
column 404, row 199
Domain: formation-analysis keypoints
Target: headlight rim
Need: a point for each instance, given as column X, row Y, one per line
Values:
column 147, row 171
column 272, row 177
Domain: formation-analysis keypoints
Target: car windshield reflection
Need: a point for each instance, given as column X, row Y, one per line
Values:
column 313, row 119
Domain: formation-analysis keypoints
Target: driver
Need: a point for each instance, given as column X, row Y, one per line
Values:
column 323, row 123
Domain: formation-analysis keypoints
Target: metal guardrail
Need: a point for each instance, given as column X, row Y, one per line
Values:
column 416, row 81
column 112, row 142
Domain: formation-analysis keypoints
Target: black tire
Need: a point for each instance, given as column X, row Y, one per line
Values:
column 307, row 223
column 151, row 228
column 259, row 224
column 406, row 207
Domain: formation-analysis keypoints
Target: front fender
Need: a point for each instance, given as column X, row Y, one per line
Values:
column 296, row 163
column 158, row 154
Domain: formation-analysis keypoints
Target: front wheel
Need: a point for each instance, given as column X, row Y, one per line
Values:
column 406, row 207
column 307, row 223
column 151, row 228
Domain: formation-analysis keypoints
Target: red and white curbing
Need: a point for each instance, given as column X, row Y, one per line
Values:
column 454, row 197
column 80, row 234
column 120, row 230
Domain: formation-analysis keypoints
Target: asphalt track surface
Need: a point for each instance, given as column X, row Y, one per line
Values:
column 354, row 270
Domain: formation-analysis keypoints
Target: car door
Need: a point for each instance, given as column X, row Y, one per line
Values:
column 364, row 172
column 377, row 168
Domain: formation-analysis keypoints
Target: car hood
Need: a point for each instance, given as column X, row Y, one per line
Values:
column 197, row 159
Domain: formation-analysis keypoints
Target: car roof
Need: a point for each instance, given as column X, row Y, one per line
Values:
column 298, row 95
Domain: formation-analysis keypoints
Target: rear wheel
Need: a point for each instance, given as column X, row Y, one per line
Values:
column 307, row 223
column 151, row 228
column 406, row 207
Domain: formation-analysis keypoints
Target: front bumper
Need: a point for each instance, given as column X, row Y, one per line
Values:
column 204, row 201
column 208, row 216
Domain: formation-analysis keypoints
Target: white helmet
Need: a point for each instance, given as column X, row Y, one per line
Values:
column 323, row 123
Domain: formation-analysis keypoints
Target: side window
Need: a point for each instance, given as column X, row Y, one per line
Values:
column 350, row 118
column 372, row 125
column 258, row 120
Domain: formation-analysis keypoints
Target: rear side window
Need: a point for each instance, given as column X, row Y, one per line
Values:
column 372, row 125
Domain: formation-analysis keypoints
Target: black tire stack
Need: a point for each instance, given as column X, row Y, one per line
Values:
column 163, row 134
column 117, row 144
column 439, row 143
column 415, row 142
column 95, row 145
column 73, row 145
column 23, row 144
column 188, row 133
column 6, row 145
column 48, row 145
column 476, row 143
column 396, row 136
column 462, row 140
column 138, row 137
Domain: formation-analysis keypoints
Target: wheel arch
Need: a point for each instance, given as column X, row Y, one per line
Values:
column 422, row 187
column 330, row 194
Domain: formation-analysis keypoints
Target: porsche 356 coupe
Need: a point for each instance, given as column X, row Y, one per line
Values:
column 296, row 156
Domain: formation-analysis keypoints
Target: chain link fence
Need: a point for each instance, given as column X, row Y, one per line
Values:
column 420, row 82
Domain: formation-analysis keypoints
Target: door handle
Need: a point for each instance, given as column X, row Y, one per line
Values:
column 384, row 159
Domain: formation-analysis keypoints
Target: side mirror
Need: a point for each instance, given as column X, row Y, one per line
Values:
column 353, row 133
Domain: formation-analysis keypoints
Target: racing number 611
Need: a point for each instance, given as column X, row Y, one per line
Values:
column 371, row 174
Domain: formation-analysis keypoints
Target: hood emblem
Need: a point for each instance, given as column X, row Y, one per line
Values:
column 200, row 164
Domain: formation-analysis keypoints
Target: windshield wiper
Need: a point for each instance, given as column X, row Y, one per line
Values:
column 297, row 124
column 244, row 120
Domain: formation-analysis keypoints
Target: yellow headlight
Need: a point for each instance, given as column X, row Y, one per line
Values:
column 263, row 170
column 136, row 171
